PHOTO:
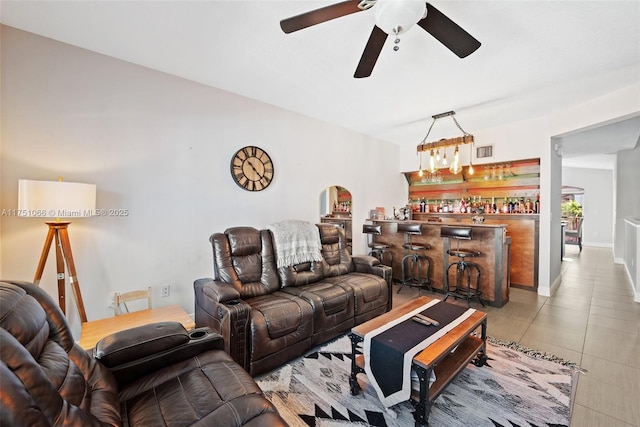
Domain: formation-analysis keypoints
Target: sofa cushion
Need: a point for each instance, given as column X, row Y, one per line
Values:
column 244, row 257
column 210, row 389
column 335, row 253
column 371, row 292
column 326, row 298
column 278, row 321
column 281, row 316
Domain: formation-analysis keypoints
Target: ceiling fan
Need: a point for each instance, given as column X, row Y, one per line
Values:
column 391, row 17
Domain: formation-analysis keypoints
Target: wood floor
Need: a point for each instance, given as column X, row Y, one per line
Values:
column 592, row 320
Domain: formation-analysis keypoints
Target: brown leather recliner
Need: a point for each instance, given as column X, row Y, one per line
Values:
column 158, row 374
column 269, row 315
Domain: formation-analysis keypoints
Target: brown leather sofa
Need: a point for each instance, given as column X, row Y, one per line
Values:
column 155, row 375
column 269, row 315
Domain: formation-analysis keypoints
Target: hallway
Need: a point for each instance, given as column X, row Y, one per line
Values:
column 591, row 320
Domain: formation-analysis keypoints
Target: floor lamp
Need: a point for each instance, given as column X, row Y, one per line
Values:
column 59, row 200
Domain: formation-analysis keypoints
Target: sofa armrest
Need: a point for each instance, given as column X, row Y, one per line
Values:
column 135, row 352
column 219, row 307
column 219, row 291
column 364, row 263
column 386, row 273
column 371, row 265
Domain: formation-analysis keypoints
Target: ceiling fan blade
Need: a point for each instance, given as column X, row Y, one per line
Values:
column 448, row 32
column 371, row 53
column 319, row 16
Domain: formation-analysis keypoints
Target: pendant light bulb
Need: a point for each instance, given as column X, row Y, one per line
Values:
column 432, row 163
column 470, row 169
column 420, row 173
column 455, row 165
column 444, row 159
column 438, row 155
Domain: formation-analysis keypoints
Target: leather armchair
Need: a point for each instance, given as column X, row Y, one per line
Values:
column 157, row 374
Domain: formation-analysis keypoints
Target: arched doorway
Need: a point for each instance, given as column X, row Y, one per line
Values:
column 336, row 207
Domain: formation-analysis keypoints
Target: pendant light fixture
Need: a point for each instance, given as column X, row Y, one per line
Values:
column 434, row 161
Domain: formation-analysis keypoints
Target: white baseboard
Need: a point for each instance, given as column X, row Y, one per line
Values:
column 548, row 291
column 598, row 244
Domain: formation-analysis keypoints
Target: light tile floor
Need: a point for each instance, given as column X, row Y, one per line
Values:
column 591, row 319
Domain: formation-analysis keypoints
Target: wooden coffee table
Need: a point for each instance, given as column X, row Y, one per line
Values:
column 437, row 357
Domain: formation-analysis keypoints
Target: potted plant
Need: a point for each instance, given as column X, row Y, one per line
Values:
column 572, row 210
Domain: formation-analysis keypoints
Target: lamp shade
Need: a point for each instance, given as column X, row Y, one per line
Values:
column 393, row 16
column 55, row 199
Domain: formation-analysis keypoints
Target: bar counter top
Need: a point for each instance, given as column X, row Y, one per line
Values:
column 422, row 221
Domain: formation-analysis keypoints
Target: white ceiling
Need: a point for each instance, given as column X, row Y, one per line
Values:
column 536, row 56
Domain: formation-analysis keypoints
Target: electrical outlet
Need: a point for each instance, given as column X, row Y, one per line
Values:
column 164, row 291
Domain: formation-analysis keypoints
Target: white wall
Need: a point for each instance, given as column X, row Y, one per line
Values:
column 628, row 200
column 597, row 205
column 160, row 147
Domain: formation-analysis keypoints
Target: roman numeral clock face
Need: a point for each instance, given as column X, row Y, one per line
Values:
column 252, row 168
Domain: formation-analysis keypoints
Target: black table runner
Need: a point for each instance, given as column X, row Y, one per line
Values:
column 389, row 350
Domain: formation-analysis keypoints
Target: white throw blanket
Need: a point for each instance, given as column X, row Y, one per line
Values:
column 295, row 242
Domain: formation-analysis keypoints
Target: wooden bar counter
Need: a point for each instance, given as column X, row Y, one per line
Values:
column 524, row 232
column 490, row 240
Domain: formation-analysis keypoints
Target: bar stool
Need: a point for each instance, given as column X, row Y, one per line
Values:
column 463, row 267
column 378, row 250
column 413, row 263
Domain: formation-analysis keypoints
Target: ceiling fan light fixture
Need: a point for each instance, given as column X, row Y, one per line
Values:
column 398, row 16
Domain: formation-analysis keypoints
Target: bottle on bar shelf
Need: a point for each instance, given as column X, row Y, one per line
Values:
column 527, row 206
column 494, row 207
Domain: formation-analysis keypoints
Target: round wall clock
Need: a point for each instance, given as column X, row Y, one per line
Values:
column 252, row 168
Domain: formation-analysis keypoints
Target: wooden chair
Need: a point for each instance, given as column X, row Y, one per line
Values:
column 124, row 298
column 573, row 232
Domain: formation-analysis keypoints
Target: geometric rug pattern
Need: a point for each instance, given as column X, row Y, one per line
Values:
column 511, row 390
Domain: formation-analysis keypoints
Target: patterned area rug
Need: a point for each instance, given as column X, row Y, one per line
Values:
column 513, row 389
